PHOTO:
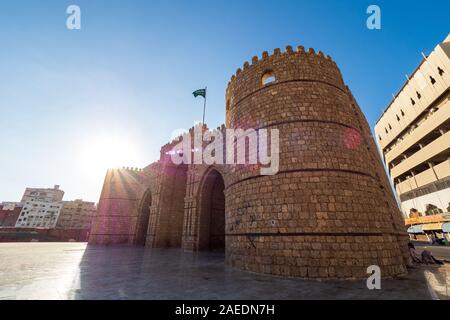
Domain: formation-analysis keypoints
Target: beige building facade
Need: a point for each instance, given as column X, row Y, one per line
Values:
column 41, row 208
column 76, row 214
column 414, row 137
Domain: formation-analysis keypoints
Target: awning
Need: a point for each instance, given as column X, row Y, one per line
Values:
column 432, row 226
column 446, row 227
column 415, row 229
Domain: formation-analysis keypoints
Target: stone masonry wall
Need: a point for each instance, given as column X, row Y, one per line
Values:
column 328, row 213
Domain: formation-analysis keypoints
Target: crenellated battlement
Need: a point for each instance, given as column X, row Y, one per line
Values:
column 170, row 145
column 169, row 148
column 132, row 169
column 269, row 74
column 300, row 50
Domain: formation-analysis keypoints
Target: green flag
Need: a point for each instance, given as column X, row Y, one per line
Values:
column 199, row 92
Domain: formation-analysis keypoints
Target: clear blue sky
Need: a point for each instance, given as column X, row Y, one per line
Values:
column 66, row 97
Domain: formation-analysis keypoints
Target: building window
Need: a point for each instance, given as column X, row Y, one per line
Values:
column 379, row 137
column 441, row 72
column 412, row 101
column 398, row 118
column 403, row 114
column 390, row 128
column 433, row 81
column 268, row 77
column 418, row 95
column 385, row 130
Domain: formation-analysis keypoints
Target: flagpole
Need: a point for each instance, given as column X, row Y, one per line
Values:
column 204, row 108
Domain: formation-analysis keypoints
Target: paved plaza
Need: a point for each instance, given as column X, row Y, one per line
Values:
column 79, row 271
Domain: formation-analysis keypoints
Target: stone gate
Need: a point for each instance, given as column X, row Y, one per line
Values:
column 329, row 212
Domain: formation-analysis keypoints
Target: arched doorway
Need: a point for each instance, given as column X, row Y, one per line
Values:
column 143, row 218
column 212, row 213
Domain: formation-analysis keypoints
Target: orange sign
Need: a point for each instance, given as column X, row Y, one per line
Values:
column 427, row 219
column 409, row 221
column 431, row 219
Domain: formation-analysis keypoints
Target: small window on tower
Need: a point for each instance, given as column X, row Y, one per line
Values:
column 418, row 94
column 433, row 81
column 268, row 77
column 441, row 72
column 403, row 114
column 412, row 101
column 398, row 118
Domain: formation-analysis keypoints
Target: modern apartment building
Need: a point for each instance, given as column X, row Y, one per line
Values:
column 41, row 208
column 414, row 137
column 76, row 214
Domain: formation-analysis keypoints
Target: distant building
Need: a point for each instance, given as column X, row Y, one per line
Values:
column 41, row 208
column 414, row 138
column 9, row 213
column 76, row 214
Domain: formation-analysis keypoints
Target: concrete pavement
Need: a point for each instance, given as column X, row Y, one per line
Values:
column 78, row 271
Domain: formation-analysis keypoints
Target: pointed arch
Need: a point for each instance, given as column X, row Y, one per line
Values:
column 143, row 218
column 211, row 223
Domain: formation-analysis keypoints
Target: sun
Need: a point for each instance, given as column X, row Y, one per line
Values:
column 102, row 152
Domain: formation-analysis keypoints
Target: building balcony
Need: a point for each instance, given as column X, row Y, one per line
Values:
column 435, row 149
column 433, row 122
column 418, row 82
column 441, row 171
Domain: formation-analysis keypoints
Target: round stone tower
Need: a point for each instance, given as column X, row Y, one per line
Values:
column 329, row 212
